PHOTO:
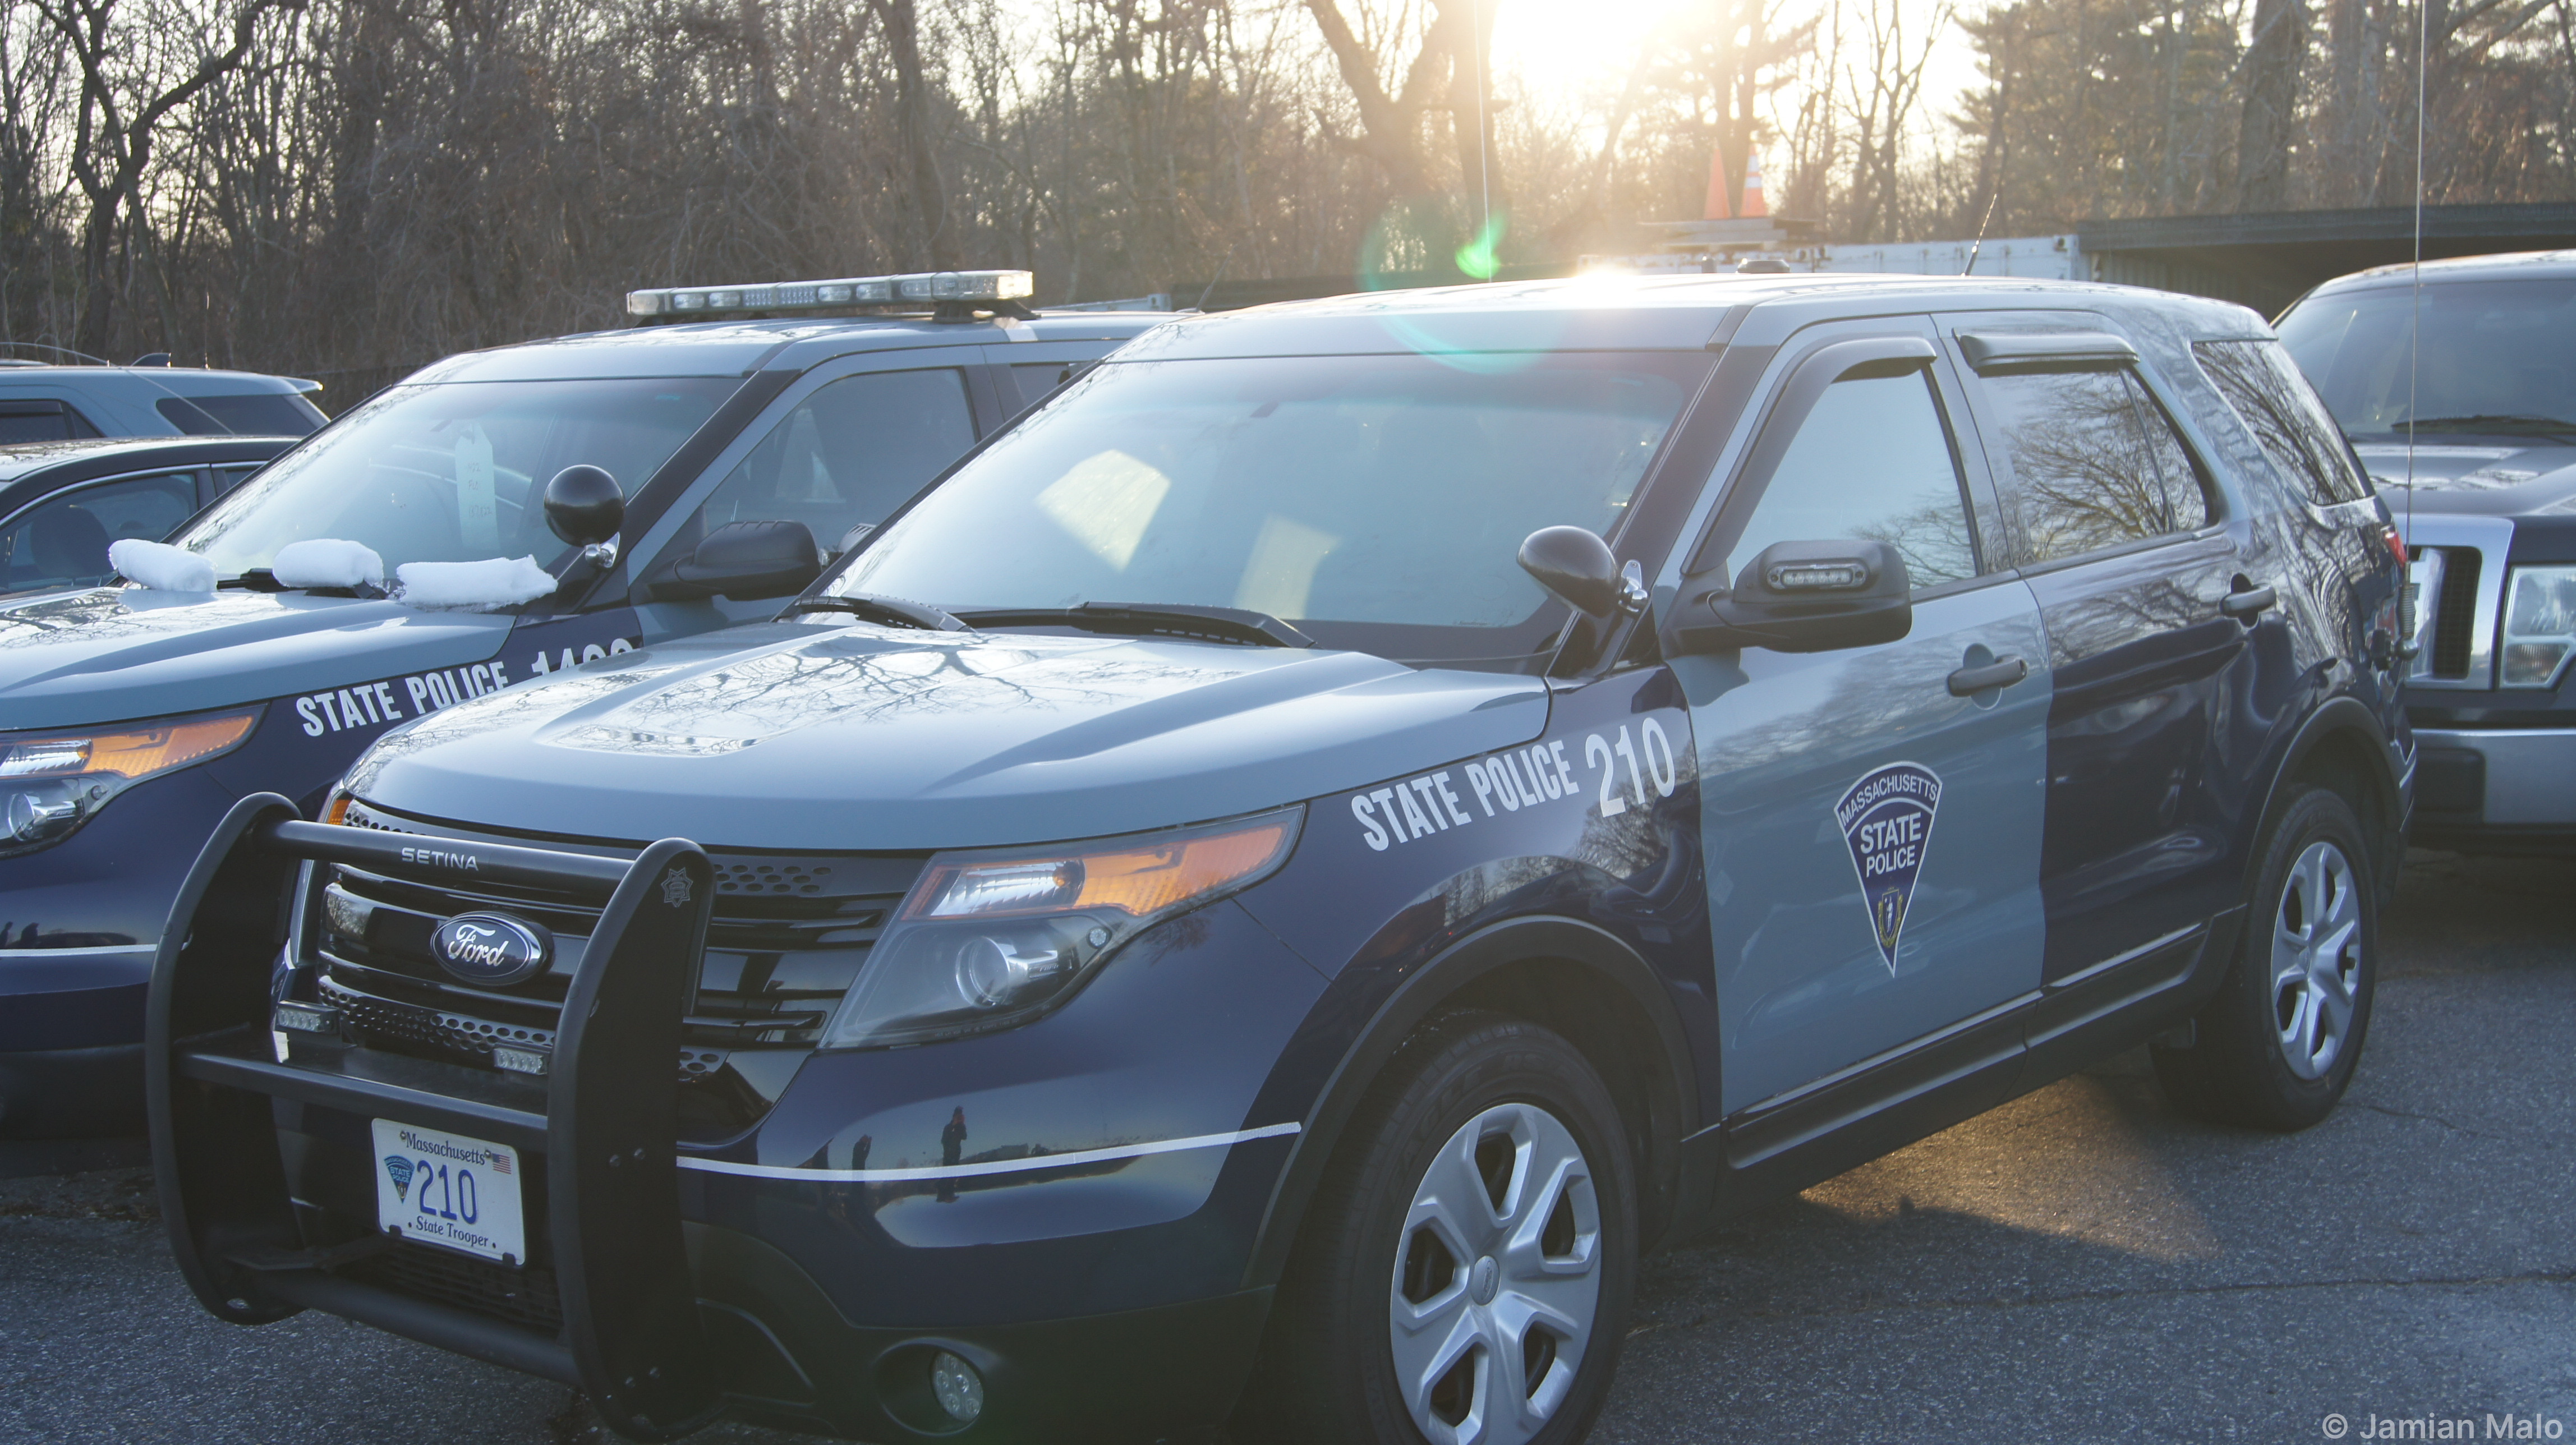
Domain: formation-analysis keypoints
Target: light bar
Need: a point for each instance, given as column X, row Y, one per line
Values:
column 921, row 286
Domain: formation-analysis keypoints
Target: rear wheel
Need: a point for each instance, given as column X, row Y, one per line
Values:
column 2276, row 1048
column 1465, row 1274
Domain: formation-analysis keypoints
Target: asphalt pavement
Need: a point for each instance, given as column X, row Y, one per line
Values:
column 2082, row 1264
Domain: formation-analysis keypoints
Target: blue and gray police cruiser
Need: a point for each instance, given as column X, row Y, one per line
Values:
column 1257, row 898
column 716, row 466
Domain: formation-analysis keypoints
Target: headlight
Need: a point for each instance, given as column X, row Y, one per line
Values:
column 2539, row 624
column 51, row 783
column 988, row 940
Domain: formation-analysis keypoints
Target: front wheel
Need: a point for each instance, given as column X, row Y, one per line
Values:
column 1465, row 1274
column 2276, row 1048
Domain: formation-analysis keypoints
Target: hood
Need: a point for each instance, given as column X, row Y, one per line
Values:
column 2502, row 478
column 111, row 654
column 801, row 737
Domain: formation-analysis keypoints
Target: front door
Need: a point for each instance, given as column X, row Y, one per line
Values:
column 1872, row 837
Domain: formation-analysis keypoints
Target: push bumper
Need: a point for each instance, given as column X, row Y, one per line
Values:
column 663, row 1320
column 2496, row 789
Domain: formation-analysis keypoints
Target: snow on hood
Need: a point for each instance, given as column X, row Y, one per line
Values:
column 857, row 737
column 160, row 566
column 327, row 562
column 492, row 582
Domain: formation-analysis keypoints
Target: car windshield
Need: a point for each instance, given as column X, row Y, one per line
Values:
column 453, row 471
column 2495, row 358
column 1377, row 502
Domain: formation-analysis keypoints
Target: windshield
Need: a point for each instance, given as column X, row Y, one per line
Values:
column 455, row 471
column 2495, row 358
column 1377, row 502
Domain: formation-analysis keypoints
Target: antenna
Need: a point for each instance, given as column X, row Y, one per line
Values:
column 1979, row 244
column 2415, row 300
column 1484, row 129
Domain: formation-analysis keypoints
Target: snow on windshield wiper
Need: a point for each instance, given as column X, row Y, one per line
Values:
column 1152, row 619
column 2516, row 424
column 895, row 611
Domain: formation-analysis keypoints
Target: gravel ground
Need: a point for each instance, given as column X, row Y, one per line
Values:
column 2079, row 1265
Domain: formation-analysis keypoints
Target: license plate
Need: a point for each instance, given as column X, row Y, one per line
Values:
column 449, row 1190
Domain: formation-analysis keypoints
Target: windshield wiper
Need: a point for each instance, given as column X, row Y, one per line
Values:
column 260, row 579
column 1239, row 625
column 2542, row 425
column 893, row 611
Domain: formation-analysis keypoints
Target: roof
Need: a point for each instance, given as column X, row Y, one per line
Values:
column 739, row 347
column 1626, row 313
column 2510, row 266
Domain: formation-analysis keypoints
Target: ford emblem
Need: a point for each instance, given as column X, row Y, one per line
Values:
column 490, row 950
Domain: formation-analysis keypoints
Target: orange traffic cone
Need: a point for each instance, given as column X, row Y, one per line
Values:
column 1718, row 209
column 1754, row 205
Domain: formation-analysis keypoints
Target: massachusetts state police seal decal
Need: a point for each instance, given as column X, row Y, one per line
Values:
column 1886, row 820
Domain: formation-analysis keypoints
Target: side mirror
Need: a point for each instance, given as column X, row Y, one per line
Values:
column 1804, row 597
column 747, row 561
column 1576, row 565
column 585, row 506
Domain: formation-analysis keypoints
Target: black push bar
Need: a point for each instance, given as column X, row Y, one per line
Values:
column 630, row 1337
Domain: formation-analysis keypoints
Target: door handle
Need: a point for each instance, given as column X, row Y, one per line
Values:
column 2247, row 602
column 2003, row 672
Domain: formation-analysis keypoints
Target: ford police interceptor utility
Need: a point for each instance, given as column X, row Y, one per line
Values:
column 1263, row 892
column 2463, row 400
column 724, row 461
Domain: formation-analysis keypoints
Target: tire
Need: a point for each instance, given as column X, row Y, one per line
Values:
column 2277, row 1046
column 1499, row 1108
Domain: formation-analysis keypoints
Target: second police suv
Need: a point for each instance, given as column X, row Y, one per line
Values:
column 725, row 461
column 1265, row 891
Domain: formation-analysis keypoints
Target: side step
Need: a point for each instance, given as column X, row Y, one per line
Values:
column 631, row 1337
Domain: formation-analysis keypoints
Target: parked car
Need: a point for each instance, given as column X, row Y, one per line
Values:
column 62, row 503
column 2468, row 418
column 716, row 465
column 1262, row 893
column 41, row 402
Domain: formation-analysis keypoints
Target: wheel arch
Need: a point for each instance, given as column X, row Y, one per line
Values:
column 1568, row 976
column 2341, row 746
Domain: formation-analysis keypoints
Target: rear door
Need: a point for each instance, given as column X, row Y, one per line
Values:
column 1872, row 837
column 2117, row 527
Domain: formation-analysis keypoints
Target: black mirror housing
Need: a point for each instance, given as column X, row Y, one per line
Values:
column 1804, row 597
column 747, row 561
column 1576, row 565
column 585, row 506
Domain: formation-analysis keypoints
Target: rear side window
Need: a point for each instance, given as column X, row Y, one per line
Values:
column 2090, row 461
column 2275, row 402
column 62, row 541
column 249, row 414
column 41, row 419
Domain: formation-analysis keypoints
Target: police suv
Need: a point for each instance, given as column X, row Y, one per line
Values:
column 1266, row 890
column 2460, row 395
column 716, row 465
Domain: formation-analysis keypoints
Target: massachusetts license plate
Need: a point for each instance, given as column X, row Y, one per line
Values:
column 451, row 1190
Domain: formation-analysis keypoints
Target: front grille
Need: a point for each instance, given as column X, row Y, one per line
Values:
column 2455, row 616
column 787, row 939
column 525, row 1297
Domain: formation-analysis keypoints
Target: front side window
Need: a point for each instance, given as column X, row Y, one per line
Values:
column 848, row 455
column 2263, row 387
column 62, row 541
column 454, row 471
column 1873, row 461
column 2090, row 462
column 1378, row 502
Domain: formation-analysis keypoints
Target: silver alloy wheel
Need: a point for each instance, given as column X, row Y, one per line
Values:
column 2316, row 959
column 1497, row 1278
